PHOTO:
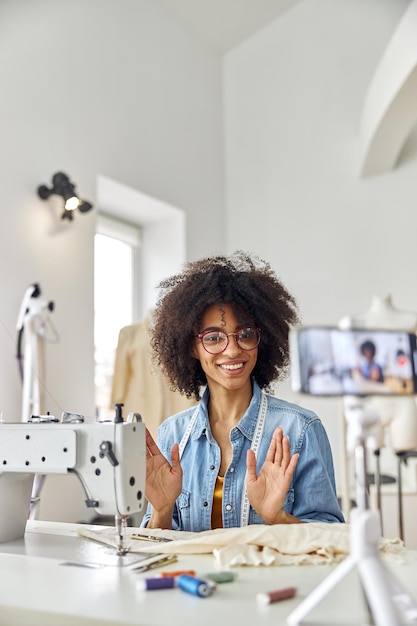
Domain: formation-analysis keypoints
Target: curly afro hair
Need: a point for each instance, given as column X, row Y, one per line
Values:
column 248, row 285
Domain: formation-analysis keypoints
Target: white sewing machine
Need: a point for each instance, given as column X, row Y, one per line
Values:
column 109, row 458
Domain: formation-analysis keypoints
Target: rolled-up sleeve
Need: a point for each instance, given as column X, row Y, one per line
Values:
column 315, row 497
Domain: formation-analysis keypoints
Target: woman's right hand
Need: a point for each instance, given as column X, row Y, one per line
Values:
column 163, row 482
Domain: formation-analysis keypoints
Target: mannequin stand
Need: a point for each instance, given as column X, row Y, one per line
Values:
column 381, row 590
column 32, row 325
column 400, row 458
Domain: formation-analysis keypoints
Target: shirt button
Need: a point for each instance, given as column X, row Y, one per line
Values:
column 205, row 503
column 228, row 507
column 232, row 469
column 212, row 467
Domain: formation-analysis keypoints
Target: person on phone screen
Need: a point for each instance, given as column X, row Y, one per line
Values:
column 220, row 332
column 370, row 369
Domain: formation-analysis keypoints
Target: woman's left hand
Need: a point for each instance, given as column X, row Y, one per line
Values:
column 267, row 491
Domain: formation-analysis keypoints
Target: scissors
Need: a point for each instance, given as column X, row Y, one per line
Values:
column 163, row 560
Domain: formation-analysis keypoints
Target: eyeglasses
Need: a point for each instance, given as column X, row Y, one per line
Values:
column 216, row 341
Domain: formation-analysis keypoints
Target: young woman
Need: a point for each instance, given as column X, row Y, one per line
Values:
column 241, row 456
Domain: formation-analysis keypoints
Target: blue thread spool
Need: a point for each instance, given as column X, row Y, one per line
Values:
column 196, row 586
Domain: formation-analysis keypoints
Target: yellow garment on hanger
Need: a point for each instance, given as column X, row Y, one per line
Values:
column 138, row 384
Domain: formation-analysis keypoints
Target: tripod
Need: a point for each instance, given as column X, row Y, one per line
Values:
column 381, row 590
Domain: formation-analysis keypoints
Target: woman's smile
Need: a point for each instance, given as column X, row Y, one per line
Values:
column 231, row 367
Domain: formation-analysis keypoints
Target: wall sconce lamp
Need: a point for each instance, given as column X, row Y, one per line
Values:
column 62, row 186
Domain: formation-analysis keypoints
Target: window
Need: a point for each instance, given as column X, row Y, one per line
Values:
column 116, row 264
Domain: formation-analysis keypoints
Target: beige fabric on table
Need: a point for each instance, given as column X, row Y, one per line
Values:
column 283, row 544
column 138, row 384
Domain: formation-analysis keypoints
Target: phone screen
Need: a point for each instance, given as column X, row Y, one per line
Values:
column 334, row 362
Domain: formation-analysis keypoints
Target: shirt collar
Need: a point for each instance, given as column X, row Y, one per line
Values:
column 246, row 425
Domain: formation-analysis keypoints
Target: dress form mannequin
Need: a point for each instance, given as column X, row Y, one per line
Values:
column 382, row 314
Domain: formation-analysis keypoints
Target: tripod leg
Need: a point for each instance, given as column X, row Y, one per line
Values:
column 321, row 592
column 377, row 587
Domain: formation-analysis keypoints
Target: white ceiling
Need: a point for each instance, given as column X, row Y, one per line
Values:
column 224, row 24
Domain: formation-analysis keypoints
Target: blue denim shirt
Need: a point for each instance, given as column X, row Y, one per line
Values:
column 312, row 493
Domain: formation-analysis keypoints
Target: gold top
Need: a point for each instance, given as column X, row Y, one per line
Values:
column 216, row 513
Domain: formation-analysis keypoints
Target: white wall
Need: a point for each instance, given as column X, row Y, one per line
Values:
column 95, row 88
column 293, row 101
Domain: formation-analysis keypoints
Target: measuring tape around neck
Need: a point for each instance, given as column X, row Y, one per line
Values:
column 257, row 436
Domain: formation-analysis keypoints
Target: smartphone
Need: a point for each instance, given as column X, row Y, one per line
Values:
column 328, row 361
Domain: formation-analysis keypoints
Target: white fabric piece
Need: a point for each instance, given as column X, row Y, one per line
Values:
column 281, row 544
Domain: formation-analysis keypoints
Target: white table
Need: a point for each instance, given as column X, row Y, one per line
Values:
column 37, row 588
